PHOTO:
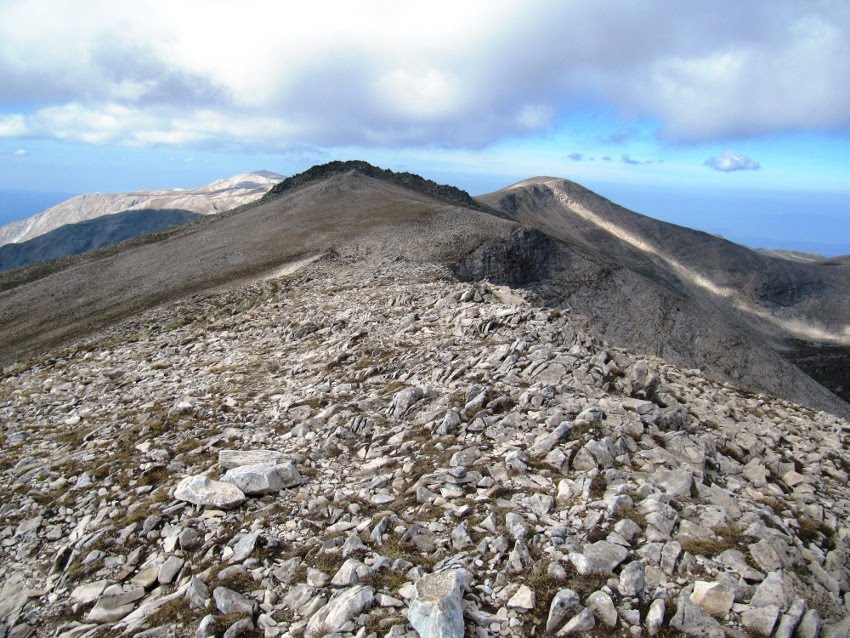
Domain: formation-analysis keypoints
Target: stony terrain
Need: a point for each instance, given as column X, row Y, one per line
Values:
column 645, row 286
column 404, row 454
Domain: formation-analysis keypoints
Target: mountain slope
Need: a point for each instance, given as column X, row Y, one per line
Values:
column 91, row 234
column 783, row 303
column 218, row 196
column 346, row 215
column 771, row 289
column 347, row 212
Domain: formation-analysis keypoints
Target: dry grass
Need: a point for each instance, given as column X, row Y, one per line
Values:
column 726, row 537
column 237, row 581
column 175, row 612
column 811, row 531
column 395, row 549
column 388, row 580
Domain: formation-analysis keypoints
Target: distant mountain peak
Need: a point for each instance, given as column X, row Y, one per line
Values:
column 412, row 181
column 218, row 196
column 269, row 174
column 534, row 181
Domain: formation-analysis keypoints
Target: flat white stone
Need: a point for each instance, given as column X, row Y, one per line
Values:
column 201, row 490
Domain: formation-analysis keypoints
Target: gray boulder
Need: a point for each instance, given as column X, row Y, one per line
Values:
column 693, row 620
column 229, row 459
column 230, row 602
column 344, row 606
column 599, row 558
column 760, row 621
column 201, row 490
column 436, row 608
column 262, row 478
column 564, row 604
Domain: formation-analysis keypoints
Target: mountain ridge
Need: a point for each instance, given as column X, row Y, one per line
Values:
column 786, row 302
column 251, row 241
column 631, row 299
column 353, row 406
column 444, row 192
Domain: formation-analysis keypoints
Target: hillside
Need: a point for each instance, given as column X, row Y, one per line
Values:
column 696, row 281
column 74, row 239
column 362, row 407
column 347, row 212
column 216, row 197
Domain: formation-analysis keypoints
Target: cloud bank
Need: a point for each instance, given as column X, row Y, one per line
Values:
column 729, row 161
column 216, row 74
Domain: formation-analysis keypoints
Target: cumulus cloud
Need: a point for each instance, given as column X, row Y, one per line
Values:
column 397, row 74
column 21, row 152
column 729, row 161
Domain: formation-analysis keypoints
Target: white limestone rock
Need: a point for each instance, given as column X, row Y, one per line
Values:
column 565, row 603
column 436, row 611
column 655, row 616
column 201, row 490
column 632, row 580
column 713, row 597
column 230, row 459
column 693, row 620
column 760, row 620
column 114, row 604
column 342, row 607
column 582, row 622
column 600, row 558
column 810, row 625
column 602, row 606
column 262, row 478
column 523, row 600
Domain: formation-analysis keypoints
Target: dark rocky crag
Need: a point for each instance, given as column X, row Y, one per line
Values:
column 688, row 296
column 410, row 181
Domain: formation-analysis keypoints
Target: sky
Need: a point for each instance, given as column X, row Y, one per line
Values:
column 729, row 116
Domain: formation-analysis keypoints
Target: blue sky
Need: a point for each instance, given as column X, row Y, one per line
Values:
column 726, row 116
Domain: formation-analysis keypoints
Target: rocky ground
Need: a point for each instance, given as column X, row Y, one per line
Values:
column 378, row 450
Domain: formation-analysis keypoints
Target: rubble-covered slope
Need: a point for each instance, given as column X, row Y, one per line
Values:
column 348, row 211
column 406, row 455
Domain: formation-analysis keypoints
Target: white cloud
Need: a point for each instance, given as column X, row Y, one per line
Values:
column 394, row 74
column 729, row 161
column 21, row 153
column 13, row 126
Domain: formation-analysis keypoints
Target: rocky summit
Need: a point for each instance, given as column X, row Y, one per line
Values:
column 375, row 448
